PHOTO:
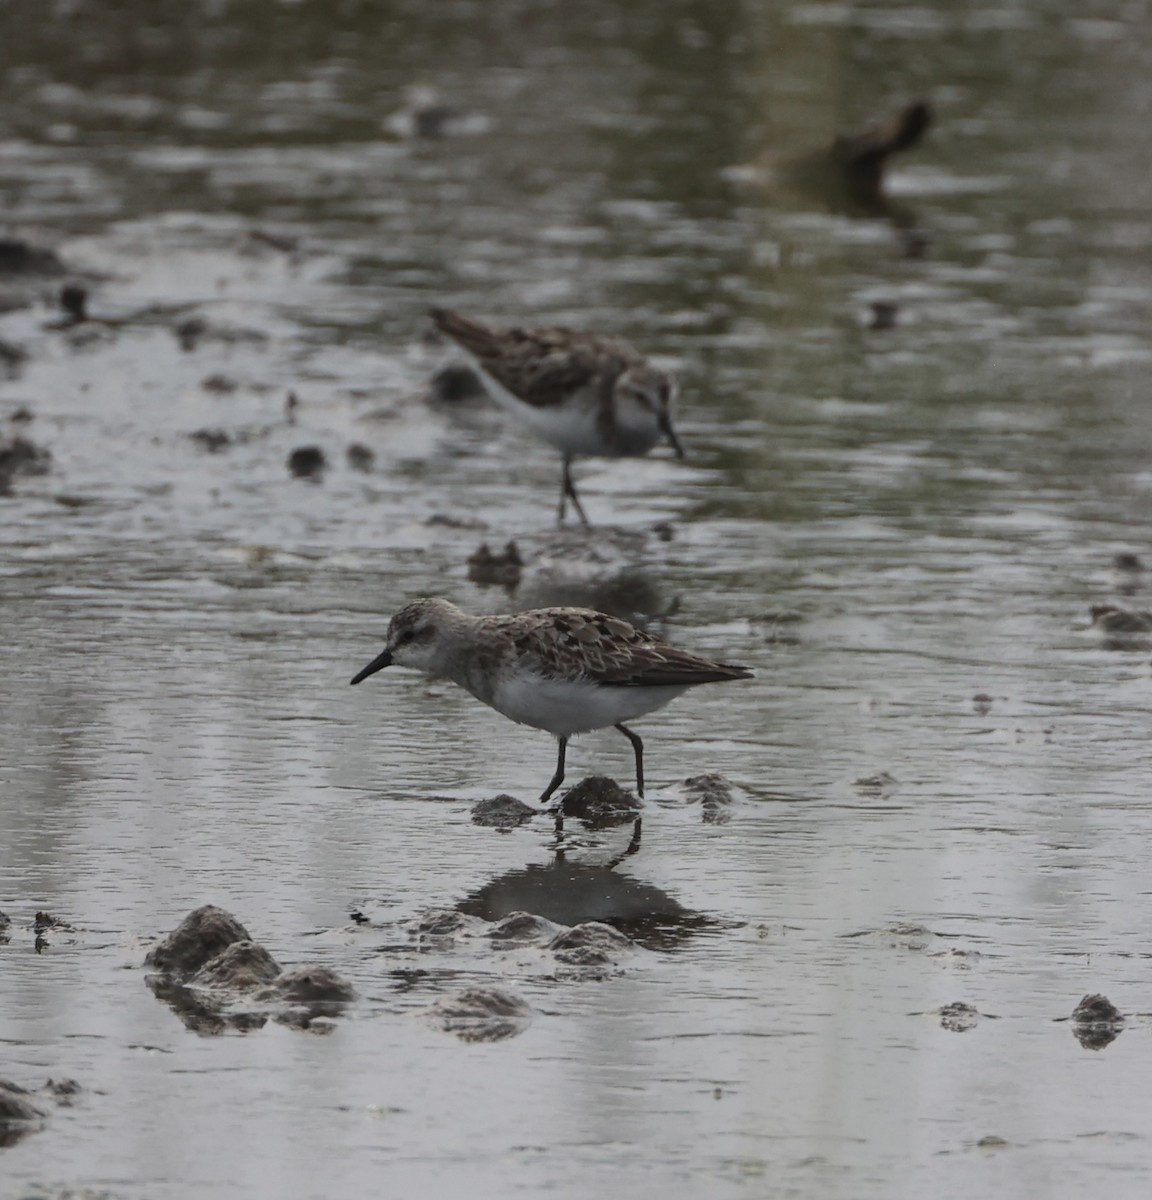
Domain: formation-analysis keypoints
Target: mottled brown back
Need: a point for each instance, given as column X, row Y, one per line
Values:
column 543, row 367
column 612, row 651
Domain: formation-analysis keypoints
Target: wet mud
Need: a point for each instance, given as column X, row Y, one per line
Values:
column 837, row 953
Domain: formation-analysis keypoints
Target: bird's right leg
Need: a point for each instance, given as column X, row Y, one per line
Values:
column 568, row 492
column 558, row 778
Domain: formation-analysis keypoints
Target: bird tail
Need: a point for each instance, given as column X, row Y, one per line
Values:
column 474, row 336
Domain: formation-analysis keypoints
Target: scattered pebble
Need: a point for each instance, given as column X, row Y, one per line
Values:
column 222, row 385
column 276, row 241
column 452, row 521
column 307, row 462
column 74, row 301
column 360, row 457
column 12, row 358
column 1128, row 573
column 211, row 440
column 884, row 314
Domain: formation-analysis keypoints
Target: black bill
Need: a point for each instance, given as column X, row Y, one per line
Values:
column 381, row 661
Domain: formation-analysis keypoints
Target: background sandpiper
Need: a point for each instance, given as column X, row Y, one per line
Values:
column 581, row 392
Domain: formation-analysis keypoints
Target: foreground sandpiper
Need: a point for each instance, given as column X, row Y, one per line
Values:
column 583, row 393
column 566, row 670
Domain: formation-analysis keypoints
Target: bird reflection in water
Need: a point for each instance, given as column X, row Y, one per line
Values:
column 571, row 892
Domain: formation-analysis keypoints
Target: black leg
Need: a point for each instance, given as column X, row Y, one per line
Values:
column 558, row 778
column 568, row 492
column 638, row 747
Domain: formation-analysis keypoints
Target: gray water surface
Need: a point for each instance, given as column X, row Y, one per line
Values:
column 942, row 774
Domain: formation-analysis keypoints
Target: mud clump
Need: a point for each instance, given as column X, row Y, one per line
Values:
column 193, row 330
column 16, row 1105
column 880, row 786
column 714, row 794
column 500, row 570
column 308, row 985
column 883, row 315
column 523, row 927
column 600, row 802
column 20, row 1112
column 200, row 937
column 958, row 1017
column 590, row 944
column 18, row 257
column 444, row 925
column 210, row 962
column 241, row 967
column 307, row 462
column 211, row 440
column 219, row 384
column 502, row 812
column 12, row 359
column 21, row 457
column 481, row 1014
column 1096, row 1022
column 360, row 457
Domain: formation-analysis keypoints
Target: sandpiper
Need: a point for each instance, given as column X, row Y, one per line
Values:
column 1111, row 618
column 583, row 393
column 565, row 670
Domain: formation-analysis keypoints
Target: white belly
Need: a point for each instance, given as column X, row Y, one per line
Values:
column 564, row 706
column 571, row 426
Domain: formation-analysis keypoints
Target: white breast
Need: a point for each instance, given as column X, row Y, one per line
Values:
column 566, row 706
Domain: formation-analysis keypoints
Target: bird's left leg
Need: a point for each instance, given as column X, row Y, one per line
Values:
column 638, row 747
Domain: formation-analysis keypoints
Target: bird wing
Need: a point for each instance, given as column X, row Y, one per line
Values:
column 572, row 643
column 543, row 367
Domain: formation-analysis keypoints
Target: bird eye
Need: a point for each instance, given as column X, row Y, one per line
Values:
column 407, row 635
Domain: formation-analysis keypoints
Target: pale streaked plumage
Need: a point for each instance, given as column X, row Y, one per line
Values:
column 581, row 392
column 565, row 670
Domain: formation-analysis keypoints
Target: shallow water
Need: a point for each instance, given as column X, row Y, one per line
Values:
column 940, row 502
